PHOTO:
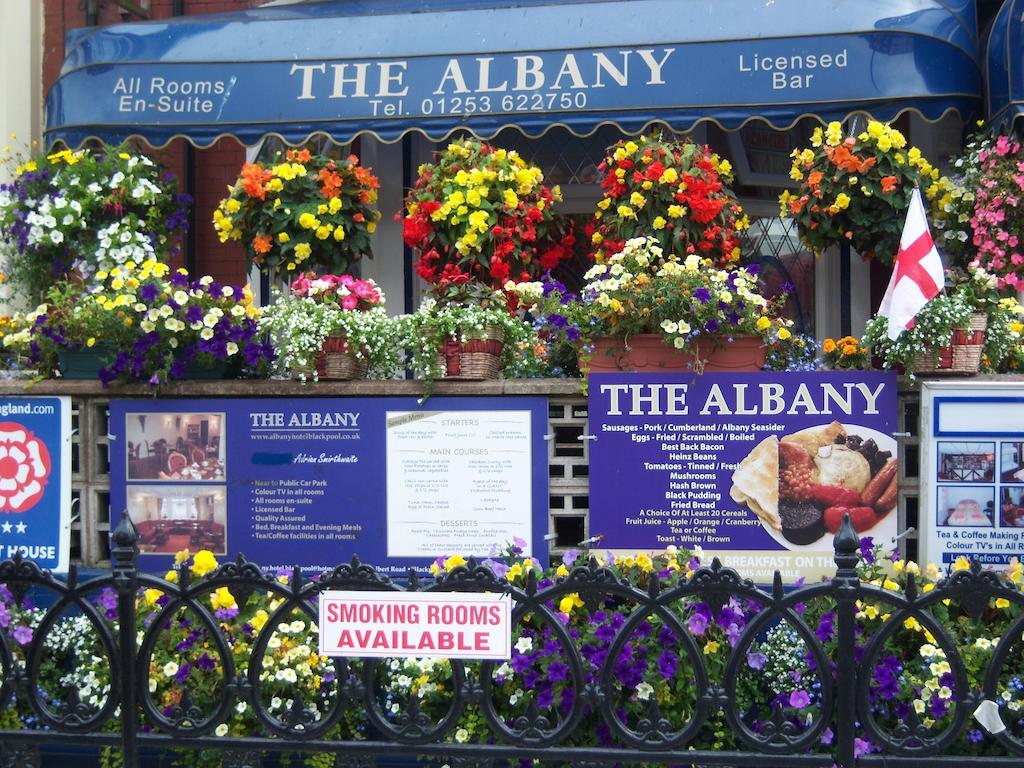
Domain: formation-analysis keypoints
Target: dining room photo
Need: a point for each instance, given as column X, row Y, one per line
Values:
column 172, row 518
column 175, row 446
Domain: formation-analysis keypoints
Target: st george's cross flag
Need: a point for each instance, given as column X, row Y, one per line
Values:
column 917, row 273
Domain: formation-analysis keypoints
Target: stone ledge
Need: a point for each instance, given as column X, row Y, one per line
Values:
column 290, row 388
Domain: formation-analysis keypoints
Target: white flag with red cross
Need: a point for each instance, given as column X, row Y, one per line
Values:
column 917, row 275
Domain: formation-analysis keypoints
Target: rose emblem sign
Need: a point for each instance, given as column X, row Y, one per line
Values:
column 24, row 468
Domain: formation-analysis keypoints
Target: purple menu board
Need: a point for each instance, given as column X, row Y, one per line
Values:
column 757, row 469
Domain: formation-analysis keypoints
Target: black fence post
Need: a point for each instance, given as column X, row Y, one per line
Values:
column 124, row 554
column 846, row 585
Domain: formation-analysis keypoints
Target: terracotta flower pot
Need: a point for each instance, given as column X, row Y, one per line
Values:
column 648, row 353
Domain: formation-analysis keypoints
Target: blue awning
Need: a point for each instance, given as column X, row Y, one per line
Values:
column 387, row 67
column 1004, row 59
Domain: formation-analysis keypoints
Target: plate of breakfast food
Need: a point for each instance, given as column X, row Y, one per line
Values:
column 800, row 485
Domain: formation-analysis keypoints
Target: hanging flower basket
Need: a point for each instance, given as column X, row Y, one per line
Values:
column 648, row 352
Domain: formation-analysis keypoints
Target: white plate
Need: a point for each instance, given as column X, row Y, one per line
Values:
column 883, row 531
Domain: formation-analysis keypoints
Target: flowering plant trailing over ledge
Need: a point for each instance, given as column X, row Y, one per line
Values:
column 85, row 211
column 462, row 309
column 642, row 289
column 483, row 212
column 845, row 354
column 856, row 189
column 153, row 320
column 673, row 191
column 332, row 305
column 308, row 211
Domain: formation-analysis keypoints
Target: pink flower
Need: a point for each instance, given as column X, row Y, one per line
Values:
column 350, row 302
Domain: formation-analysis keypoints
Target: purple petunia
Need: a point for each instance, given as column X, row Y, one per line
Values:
column 799, row 699
column 22, row 634
column 703, row 295
column 867, row 550
column 697, row 623
column 756, row 660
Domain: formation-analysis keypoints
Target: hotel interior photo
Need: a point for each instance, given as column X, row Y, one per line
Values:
column 170, row 518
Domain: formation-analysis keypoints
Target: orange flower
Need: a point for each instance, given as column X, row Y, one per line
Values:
column 253, row 179
column 849, row 349
column 829, row 346
column 303, row 156
column 331, row 183
column 847, row 161
column 814, row 178
column 888, row 184
column 261, row 243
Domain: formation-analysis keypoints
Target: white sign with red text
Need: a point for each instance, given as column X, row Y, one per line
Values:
column 454, row 625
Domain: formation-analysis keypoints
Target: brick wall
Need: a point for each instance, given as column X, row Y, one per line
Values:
column 216, row 167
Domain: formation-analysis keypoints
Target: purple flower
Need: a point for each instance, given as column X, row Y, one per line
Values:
column 861, row 747
column 827, row 737
column 148, row 292
column 183, row 672
column 697, row 623
column 799, row 699
column 570, row 557
column 867, row 550
column 5, row 617
column 668, row 663
column 975, row 736
column 711, row 325
column 703, row 295
column 756, row 660
column 22, row 634
column 558, row 671
column 205, row 662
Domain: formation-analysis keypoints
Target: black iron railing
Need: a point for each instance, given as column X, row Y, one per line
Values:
column 682, row 667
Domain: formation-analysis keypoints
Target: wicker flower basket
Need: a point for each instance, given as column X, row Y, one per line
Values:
column 968, row 344
column 336, row 362
column 339, row 362
column 478, row 357
column 932, row 361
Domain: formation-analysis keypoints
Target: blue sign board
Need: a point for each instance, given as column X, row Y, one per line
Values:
column 35, row 479
column 328, row 68
column 757, row 469
column 311, row 482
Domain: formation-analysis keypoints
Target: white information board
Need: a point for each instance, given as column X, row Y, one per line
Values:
column 972, row 471
column 457, row 481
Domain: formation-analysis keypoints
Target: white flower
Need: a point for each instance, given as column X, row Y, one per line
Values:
column 462, row 735
column 298, row 625
column 679, row 342
column 524, row 644
column 644, row 691
column 170, row 669
column 57, row 237
column 221, row 730
column 181, row 297
column 668, row 326
column 232, row 348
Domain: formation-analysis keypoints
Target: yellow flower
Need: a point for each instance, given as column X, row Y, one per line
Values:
column 637, row 200
column 515, row 571
column 833, row 134
column 151, row 596
column 711, row 647
column 259, row 619
column 675, row 211
column 90, row 341
column 784, row 333
column 842, row 201
column 203, row 562
column 222, row 598
column 562, row 570
column 763, row 323
column 302, row 251
column 283, row 237
column 454, row 562
column 670, row 176
column 308, row 221
column 171, row 576
column 658, row 223
column 1002, row 602
column 961, row 564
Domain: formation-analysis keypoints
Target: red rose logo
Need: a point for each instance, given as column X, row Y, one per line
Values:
column 24, row 468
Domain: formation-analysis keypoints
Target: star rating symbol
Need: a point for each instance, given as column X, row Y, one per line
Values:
column 21, row 527
column 6, row 527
